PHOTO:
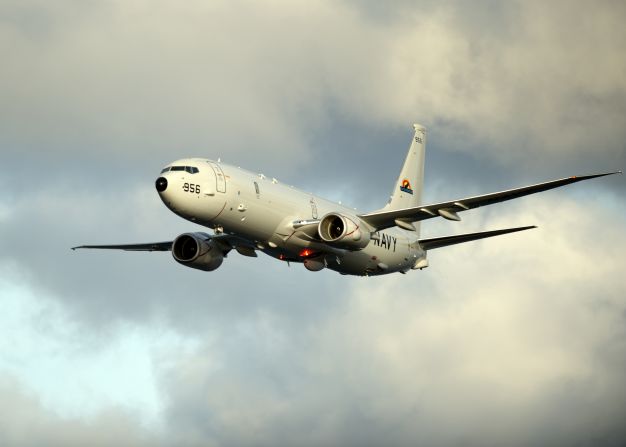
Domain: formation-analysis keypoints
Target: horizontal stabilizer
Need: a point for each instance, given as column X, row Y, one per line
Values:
column 438, row 242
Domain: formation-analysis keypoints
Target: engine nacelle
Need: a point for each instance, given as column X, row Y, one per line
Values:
column 343, row 231
column 198, row 251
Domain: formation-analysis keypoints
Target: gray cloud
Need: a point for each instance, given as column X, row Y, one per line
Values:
column 159, row 78
column 516, row 348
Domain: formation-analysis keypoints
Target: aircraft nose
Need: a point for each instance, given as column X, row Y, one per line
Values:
column 161, row 184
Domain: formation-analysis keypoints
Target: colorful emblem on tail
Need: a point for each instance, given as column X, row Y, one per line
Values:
column 406, row 186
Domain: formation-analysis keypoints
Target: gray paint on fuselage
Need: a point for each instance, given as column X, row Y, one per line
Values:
column 267, row 217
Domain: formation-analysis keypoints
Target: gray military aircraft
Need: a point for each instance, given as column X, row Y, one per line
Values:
column 250, row 213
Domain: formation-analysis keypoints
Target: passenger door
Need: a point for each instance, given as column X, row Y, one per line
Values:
column 220, row 178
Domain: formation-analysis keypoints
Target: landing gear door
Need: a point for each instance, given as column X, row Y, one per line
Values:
column 220, row 178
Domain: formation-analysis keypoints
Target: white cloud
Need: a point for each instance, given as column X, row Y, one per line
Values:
column 26, row 423
column 75, row 372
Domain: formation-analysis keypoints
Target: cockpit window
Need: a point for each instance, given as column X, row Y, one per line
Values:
column 189, row 169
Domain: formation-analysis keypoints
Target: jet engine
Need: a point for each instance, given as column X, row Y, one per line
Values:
column 344, row 231
column 198, row 251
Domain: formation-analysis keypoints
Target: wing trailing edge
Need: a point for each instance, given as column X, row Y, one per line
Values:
column 438, row 242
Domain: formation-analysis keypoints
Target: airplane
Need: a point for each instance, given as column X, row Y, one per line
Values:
column 249, row 213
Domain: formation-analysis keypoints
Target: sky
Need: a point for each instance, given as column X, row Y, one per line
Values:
column 514, row 341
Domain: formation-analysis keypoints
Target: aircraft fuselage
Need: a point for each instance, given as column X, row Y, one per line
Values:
column 262, row 210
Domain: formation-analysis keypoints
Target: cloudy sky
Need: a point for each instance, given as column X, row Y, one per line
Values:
column 514, row 341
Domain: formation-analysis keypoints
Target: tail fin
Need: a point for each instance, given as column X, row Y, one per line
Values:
column 407, row 192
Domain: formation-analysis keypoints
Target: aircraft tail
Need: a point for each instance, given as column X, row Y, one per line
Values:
column 407, row 192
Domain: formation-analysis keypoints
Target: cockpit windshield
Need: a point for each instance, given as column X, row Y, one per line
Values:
column 189, row 169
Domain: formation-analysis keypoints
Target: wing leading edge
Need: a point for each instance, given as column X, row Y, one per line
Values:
column 448, row 210
column 151, row 246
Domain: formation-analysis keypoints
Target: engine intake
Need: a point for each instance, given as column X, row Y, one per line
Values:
column 344, row 231
column 198, row 251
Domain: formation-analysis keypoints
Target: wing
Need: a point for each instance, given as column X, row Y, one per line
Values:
column 226, row 241
column 151, row 246
column 438, row 242
column 448, row 210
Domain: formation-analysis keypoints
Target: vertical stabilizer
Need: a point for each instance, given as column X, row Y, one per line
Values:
column 407, row 192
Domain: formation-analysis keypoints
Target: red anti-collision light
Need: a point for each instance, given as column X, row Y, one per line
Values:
column 306, row 253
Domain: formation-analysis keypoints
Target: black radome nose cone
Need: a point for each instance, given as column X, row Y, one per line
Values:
column 161, row 184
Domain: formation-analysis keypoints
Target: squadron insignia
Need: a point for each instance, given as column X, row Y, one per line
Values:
column 406, row 186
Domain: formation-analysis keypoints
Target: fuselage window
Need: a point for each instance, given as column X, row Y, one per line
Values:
column 256, row 188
